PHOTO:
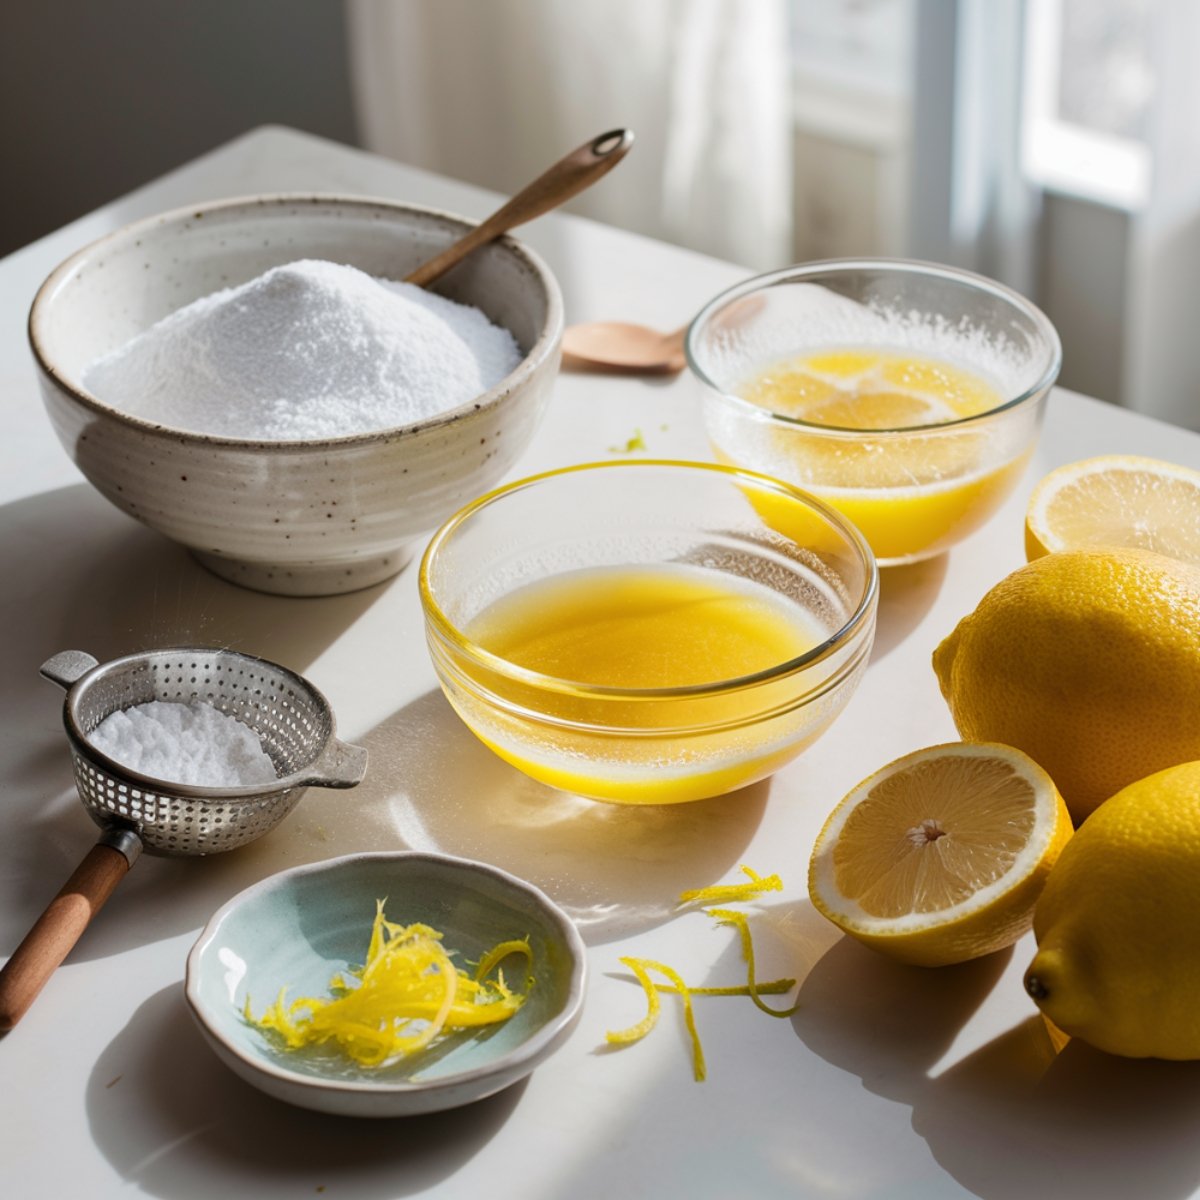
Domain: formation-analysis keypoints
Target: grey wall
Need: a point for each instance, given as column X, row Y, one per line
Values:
column 98, row 96
column 1082, row 269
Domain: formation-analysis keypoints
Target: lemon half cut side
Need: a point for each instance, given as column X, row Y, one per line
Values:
column 940, row 856
column 1117, row 500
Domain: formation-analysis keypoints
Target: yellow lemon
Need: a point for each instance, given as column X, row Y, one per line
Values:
column 1089, row 661
column 1116, row 500
column 1118, row 961
column 941, row 855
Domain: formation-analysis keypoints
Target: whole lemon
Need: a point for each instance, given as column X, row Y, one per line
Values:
column 1118, row 924
column 1089, row 662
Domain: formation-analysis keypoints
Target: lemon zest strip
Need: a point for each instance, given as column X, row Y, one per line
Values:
column 497, row 954
column 640, row 966
column 727, row 916
column 774, row 987
column 635, row 1033
column 405, row 995
column 734, row 893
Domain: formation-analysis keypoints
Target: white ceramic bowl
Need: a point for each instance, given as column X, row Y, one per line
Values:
column 293, row 517
column 302, row 926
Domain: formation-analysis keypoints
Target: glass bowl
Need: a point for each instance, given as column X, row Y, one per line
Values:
column 648, row 632
column 954, row 370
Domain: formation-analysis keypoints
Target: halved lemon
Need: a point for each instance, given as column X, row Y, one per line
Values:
column 1116, row 500
column 940, row 856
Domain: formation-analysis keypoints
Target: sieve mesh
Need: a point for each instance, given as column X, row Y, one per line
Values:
column 292, row 719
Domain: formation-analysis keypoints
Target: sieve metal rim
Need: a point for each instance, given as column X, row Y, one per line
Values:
column 336, row 764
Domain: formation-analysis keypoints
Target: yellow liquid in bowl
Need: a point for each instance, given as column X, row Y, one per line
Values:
column 910, row 496
column 633, row 628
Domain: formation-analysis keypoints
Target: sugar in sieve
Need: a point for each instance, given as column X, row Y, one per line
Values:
column 137, row 812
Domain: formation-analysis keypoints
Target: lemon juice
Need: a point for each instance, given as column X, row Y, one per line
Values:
column 910, row 494
column 605, row 643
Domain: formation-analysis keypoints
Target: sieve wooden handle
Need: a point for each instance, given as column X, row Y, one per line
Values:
column 569, row 176
column 57, row 930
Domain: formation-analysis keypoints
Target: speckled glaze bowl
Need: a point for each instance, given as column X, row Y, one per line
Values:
column 291, row 517
column 301, row 926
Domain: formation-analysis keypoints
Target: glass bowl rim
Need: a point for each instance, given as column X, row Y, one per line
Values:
column 438, row 622
column 898, row 266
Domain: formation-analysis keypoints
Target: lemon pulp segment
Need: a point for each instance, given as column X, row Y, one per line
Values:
column 930, row 837
column 870, row 389
column 910, row 496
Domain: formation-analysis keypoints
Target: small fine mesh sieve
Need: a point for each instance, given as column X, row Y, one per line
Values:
column 292, row 720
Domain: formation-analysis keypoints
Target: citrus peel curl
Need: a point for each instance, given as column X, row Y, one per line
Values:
column 641, row 968
column 407, row 993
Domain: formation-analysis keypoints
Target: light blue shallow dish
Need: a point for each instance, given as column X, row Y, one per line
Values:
column 302, row 926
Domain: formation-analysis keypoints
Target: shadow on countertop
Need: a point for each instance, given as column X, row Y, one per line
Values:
column 216, row 1134
column 1014, row 1119
column 906, row 594
column 111, row 587
column 83, row 576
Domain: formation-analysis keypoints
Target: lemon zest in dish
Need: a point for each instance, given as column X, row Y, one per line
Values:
column 407, row 993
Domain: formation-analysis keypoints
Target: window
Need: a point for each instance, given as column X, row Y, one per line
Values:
column 1088, row 86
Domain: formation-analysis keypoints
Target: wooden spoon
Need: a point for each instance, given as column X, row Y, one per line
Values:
column 618, row 346
column 569, row 176
column 639, row 350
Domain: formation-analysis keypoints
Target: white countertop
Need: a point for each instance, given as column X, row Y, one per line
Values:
column 889, row 1081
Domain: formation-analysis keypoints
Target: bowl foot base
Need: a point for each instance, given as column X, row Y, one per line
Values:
column 308, row 579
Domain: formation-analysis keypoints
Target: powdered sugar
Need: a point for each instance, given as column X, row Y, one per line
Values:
column 307, row 350
column 191, row 743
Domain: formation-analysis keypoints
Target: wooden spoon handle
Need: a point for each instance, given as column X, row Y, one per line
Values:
column 57, row 930
column 569, row 176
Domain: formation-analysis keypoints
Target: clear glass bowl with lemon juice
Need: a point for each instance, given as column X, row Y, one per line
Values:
column 906, row 395
column 648, row 632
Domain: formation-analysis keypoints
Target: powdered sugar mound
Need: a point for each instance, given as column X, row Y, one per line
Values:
column 307, row 350
column 191, row 743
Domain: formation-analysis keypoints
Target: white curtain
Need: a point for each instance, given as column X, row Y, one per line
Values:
column 970, row 204
column 493, row 91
